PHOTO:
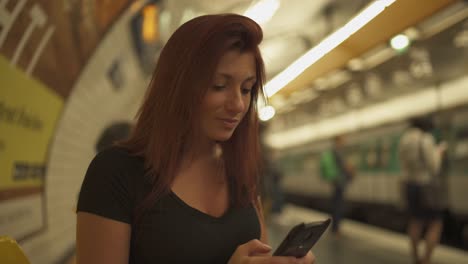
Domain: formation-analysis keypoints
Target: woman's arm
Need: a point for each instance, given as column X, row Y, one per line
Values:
column 101, row 240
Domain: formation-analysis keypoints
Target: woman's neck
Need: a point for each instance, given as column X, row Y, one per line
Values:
column 202, row 155
column 201, row 150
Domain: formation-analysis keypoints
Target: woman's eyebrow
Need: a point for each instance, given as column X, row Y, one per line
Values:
column 251, row 78
column 228, row 76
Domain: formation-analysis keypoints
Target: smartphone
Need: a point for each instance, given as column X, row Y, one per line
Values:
column 301, row 239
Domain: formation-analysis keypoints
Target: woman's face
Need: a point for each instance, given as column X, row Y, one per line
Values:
column 228, row 98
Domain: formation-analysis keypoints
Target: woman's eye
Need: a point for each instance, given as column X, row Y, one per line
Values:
column 218, row 87
column 246, row 90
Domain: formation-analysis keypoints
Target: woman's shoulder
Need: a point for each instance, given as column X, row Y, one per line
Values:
column 117, row 156
column 115, row 161
column 110, row 184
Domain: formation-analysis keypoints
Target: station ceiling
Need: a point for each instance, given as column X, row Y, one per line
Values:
column 299, row 25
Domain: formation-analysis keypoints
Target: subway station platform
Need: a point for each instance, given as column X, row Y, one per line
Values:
column 358, row 243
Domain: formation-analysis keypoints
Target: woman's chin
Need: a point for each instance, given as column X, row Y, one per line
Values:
column 223, row 137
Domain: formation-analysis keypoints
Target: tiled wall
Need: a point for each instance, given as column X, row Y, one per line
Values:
column 92, row 106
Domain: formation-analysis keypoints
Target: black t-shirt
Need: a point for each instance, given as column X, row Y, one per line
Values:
column 171, row 231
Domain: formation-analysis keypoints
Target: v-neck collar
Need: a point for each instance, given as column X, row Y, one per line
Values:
column 199, row 213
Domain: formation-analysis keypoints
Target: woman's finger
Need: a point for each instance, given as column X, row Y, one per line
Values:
column 308, row 259
column 274, row 260
column 254, row 247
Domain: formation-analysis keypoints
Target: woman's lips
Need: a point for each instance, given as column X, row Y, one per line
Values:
column 229, row 122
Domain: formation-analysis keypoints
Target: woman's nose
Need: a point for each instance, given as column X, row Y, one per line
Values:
column 234, row 102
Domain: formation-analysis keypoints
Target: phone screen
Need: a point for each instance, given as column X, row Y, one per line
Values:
column 301, row 239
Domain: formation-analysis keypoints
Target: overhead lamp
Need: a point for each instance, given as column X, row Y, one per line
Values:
column 400, row 42
column 461, row 39
column 373, row 84
column 303, row 96
column 266, row 113
column 377, row 56
column 354, row 95
column 262, row 11
column 150, row 23
column 356, row 64
column 325, row 46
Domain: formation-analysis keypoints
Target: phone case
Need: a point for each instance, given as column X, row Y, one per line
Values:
column 301, row 239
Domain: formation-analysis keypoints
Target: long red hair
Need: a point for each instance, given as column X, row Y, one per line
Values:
column 182, row 76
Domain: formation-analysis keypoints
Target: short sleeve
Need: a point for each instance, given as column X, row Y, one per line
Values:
column 106, row 188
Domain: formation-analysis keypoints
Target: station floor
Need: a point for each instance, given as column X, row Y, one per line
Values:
column 358, row 243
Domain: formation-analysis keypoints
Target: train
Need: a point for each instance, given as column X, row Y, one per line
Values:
column 374, row 196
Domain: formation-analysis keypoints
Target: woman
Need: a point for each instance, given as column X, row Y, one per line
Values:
column 183, row 187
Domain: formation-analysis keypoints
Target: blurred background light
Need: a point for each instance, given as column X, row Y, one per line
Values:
column 262, row 11
column 400, row 42
column 150, row 23
column 266, row 113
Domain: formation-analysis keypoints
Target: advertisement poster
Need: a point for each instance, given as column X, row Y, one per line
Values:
column 44, row 45
column 28, row 114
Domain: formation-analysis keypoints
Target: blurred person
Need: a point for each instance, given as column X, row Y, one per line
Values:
column 265, row 183
column 115, row 132
column 339, row 172
column 270, row 182
column 421, row 159
column 276, row 188
column 183, row 187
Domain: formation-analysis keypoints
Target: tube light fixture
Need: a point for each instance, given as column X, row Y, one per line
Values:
column 325, row 46
column 262, row 11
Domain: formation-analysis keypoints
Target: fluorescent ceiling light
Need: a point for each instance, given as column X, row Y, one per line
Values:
column 377, row 56
column 403, row 107
column 325, row 46
column 262, row 11
column 444, row 19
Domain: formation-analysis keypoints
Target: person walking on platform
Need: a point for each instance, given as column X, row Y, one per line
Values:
column 339, row 172
column 183, row 187
column 420, row 159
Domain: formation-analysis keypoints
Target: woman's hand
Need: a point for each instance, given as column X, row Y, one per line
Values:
column 255, row 252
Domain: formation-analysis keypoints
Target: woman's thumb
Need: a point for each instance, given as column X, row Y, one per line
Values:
column 255, row 247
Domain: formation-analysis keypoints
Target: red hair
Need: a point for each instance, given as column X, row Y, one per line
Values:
column 182, row 76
